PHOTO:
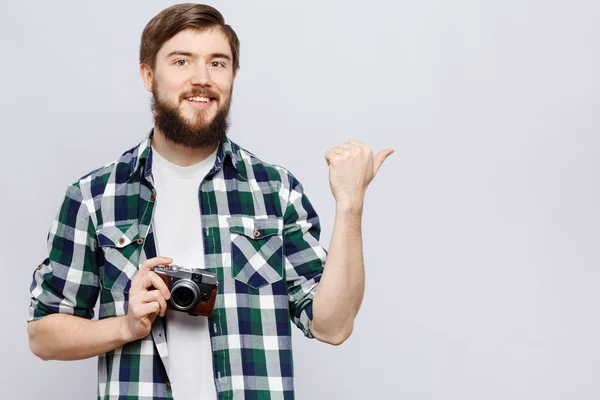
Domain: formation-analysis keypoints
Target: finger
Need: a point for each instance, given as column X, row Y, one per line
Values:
column 148, row 309
column 380, row 158
column 357, row 143
column 331, row 158
column 156, row 296
column 348, row 148
column 328, row 156
column 362, row 147
column 153, row 280
column 155, row 262
column 149, row 264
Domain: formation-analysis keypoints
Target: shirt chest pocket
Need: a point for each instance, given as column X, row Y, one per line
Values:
column 256, row 250
column 121, row 246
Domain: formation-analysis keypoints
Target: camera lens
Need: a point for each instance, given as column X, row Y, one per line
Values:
column 184, row 295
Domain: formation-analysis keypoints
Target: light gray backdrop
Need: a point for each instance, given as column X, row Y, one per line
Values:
column 481, row 232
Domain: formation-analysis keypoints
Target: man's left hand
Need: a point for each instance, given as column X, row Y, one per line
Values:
column 352, row 167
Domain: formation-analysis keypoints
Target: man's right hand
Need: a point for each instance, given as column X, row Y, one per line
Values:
column 144, row 304
column 61, row 336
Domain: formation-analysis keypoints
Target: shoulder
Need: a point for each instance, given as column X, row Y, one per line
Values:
column 254, row 168
column 96, row 182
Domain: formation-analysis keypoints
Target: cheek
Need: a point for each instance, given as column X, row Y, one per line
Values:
column 224, row 84
column 167, row 97
column 170, row 87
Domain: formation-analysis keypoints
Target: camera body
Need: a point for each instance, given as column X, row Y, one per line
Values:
column 192, row 290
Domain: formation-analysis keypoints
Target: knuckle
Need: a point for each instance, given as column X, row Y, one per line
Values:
column 157, row 295
column 134, row 310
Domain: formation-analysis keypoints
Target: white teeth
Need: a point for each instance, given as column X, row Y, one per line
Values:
column 201, row 99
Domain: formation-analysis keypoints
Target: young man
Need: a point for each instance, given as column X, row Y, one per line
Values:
column 188, row 195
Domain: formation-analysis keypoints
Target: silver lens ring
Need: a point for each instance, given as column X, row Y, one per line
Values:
column 185, row 288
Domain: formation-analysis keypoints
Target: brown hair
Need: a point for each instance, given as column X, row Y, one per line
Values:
column 174, row 19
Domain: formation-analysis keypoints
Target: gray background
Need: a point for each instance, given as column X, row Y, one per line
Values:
column 481, row 232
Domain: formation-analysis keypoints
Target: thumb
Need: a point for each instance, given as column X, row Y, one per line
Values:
column 380, row 158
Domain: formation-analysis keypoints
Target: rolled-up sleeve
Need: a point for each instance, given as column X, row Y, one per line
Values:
column 67, row 280
column 304, row 255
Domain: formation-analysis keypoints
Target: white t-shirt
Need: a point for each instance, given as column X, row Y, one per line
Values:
column 178, row 233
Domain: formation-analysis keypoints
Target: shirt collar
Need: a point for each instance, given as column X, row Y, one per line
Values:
column 227, row 151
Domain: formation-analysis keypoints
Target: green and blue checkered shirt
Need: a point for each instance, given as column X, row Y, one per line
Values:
column 261, row 238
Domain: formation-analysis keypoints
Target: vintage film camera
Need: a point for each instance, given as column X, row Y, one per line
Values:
column 192, row 290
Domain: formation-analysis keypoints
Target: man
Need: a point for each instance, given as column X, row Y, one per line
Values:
column 188, row 195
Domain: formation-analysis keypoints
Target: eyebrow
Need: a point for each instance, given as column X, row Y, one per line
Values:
column 190, row 54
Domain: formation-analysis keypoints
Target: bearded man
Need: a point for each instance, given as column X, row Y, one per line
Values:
column 189, row 207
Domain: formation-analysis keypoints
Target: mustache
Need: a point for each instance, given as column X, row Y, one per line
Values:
column 200, row 92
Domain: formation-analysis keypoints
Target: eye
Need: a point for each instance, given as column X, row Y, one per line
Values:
column 217, row 64
column 181, row 63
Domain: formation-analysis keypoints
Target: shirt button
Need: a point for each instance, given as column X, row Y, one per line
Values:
column 153, row 197
column 256, row 234
column 40, row 266
column 140, row 241
column 169, row 385
column 122, row 240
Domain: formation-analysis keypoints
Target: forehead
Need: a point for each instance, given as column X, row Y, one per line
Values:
column 199, row 42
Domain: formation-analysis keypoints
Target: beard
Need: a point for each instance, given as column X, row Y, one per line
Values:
column 199, row 133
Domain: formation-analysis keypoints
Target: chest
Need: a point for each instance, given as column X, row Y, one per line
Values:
column 237, row 223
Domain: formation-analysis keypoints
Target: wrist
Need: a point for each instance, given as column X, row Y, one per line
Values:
column 349, row 206
column 125, row 335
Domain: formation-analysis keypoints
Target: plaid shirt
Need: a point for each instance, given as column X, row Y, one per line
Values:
column 260, row 237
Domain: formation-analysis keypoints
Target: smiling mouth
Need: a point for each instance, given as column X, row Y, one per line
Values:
column 199, row 99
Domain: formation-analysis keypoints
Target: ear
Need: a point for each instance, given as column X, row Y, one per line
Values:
column 147, row 76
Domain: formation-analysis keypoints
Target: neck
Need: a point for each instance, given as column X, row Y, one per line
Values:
column 177, row 154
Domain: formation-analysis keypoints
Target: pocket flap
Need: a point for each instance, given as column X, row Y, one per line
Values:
column 117, row 235
column 255, row 228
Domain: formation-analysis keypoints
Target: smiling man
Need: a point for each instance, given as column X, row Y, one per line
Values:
column 241, row 229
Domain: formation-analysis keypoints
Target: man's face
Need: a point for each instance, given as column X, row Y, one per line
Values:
column 191, row 84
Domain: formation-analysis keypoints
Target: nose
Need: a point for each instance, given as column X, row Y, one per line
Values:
column 201, row 76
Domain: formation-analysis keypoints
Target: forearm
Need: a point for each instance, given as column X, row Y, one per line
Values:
column 341, row 289
column 66, row 337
